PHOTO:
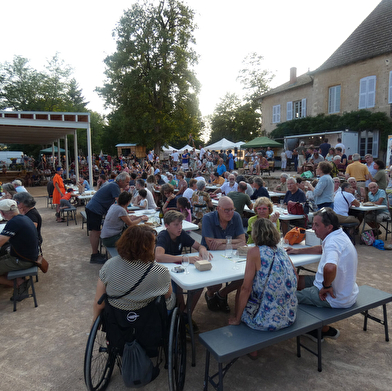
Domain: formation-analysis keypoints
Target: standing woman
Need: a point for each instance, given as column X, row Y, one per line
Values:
column 267, row 300
column 231, row 161
column 381, row 176
column 324, row 190
column 58, row 192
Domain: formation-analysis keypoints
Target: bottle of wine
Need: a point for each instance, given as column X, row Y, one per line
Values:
column 161, row 215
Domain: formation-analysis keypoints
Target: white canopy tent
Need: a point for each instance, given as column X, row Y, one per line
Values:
column 189, row 148
column 224, row 144
column 169, row 149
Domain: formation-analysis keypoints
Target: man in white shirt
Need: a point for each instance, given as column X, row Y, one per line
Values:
column 334, row 285
column 200, row 177
column 339, row 144
column 229, row 186
column 174, row 157
column 202, row 152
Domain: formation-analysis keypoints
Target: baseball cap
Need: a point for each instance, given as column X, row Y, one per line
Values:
column 7, row 205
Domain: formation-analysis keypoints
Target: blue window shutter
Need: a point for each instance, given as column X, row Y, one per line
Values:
column 289, row 111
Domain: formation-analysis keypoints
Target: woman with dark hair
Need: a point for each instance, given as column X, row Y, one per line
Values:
column 115, row 219
column 267, row 300
column 381, row 176
column 119, row 274
column 26, row 205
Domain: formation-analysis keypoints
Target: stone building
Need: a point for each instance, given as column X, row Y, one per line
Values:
column 358, row 75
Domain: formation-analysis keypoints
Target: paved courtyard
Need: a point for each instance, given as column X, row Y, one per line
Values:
column 43, row 347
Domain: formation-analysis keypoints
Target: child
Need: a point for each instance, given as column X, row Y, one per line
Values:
column 143, row 200
column 185, row 208
column 65, row 203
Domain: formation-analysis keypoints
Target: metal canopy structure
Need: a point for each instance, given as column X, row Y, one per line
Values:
column 42, row 127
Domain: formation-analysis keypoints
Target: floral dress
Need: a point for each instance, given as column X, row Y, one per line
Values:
column 272, row 304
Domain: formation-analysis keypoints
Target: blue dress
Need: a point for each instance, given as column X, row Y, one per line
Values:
column 272, row 304
column 231, row 162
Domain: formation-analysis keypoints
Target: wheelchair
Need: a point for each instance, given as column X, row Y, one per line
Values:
column 102, row 353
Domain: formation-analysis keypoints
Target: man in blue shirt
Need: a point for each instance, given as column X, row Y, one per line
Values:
column 216, row 227
column 260, row 190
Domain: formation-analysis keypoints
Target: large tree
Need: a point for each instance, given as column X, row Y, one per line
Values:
column 234, row 120
column 151, row 85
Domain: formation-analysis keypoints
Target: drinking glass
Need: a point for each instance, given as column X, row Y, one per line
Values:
column 236, row 258
column 229, row 247
column 185, row 262
column 281, row 205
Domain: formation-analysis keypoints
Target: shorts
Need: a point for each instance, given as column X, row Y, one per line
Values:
column 65, row 203
column 94, row 220
column 310, row 295
column 8, row 263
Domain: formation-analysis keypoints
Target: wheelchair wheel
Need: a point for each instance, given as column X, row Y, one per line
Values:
column 177, row 352
column 99, row 359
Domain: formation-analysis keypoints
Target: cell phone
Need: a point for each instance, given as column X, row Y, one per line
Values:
column 178, row 269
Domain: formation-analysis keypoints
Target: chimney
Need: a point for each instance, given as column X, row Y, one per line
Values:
column 293, row 75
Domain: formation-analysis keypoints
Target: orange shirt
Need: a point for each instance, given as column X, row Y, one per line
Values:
column 56, row 195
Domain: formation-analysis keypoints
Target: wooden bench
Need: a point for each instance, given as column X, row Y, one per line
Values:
column 84, row 220
column 229, row 343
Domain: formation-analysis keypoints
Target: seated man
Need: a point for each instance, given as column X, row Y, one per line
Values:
column 21, row 234
column 229, row 186
column 169, row 246
column 240, row 199
column 216, row 227
column 296, row 195
column 334, row 285
column 379, row 197
column 282, row 187
column 83, row 185
column 259, row 189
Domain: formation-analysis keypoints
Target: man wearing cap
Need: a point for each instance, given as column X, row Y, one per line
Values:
column 21, row 234
column 58, row 192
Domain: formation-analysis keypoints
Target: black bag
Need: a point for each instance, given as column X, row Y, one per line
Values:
column 137, row 368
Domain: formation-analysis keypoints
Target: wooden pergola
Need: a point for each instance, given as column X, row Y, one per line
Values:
column 42, row 127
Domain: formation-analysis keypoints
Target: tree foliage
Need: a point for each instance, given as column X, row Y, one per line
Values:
column 26, row 89
column 234, row 120
column 254, row 79
column 150, row 84
column 354, row 120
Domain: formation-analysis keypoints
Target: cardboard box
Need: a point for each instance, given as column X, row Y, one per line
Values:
column 311, row 239
column 203, row 265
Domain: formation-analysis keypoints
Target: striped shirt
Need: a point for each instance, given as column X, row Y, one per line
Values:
column 120, row 275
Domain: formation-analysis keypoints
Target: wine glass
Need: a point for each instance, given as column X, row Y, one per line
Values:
column 185, row 262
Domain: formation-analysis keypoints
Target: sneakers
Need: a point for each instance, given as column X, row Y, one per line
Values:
column 97, row 258
column 212, row 303
column 217, row 303
column 331, row 333
column 222, row 303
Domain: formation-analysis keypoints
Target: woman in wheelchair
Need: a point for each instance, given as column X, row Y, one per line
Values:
column 129, row 306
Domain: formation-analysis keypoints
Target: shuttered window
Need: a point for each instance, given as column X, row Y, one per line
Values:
column 367, row 92
column 276, row 114
column 334, row 100
column 390, row 88
column 289, row 111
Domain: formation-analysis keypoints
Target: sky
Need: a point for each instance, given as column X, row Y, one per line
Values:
column 287, row 33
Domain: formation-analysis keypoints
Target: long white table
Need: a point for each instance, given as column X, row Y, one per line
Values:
column 366, row 209
column 222, row 271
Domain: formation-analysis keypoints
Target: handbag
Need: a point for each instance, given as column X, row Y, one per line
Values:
column 295, row 208
column 41, row 262
column 368, row 238
column 295, row 235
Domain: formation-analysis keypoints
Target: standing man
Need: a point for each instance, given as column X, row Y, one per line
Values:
column 202, row 152
column 58, row 192
column 334, row 285
column 22, row 236
column 174, row 157
column 98, row 207
column 217, row 226
column 185, row 160
column 341, row 146
column 358, row 170
column 324, row 147
column 269, row 153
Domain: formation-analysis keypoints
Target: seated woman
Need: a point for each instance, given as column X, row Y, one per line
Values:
column 9, row 191
column 115, row 219
column 343, row 200
column 119, row 274
column 264, row 210
column 263, row 164
column 267, row 300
